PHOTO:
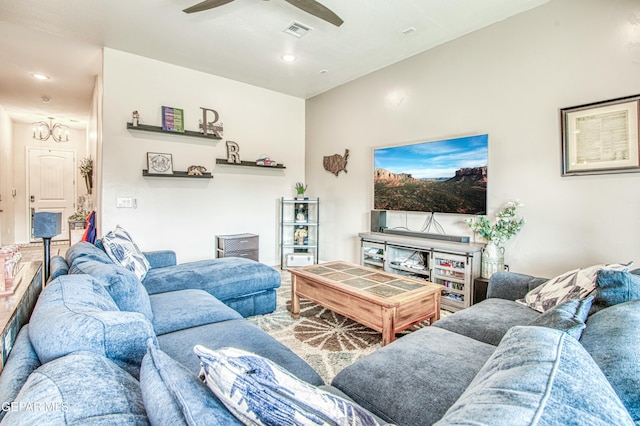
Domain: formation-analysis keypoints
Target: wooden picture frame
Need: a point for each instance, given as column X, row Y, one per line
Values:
column 159, row 163
column 601, row 137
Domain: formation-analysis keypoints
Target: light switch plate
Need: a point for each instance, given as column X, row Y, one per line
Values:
column 125, row 203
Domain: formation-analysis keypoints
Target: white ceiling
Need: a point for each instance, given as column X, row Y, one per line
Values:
column 242, row 40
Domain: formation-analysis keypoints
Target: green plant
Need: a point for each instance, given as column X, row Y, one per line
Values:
column 300, row 188
column 86, row 167
column 507, row 224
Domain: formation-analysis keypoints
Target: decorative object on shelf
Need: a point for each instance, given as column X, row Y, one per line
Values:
column 507, row 225
column 249, row 164
column 301, row 188
column 158, row 129
column 300, row 234
column 233, row 152
column 601, row 137
column 86, row 171
column 265, row 160
column 159, row 163
column 210, row 128
column 196, row 170
column 43, row 131
column 302, row 212
column 336, row 163
column 172, row 119
column 135, row 119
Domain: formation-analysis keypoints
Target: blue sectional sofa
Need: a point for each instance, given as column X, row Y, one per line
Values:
column 99, row 340
column 105, row 348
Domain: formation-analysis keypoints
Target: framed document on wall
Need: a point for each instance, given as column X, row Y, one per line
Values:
column 601, row 137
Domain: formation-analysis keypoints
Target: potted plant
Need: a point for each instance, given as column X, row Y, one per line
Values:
column 300, row 190
column 506, row 226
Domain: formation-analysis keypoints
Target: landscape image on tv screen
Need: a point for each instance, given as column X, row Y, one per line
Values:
column 447, row 176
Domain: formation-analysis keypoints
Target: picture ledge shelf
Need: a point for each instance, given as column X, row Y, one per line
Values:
column 177, row 174
column 248, row 164
column 158, row 129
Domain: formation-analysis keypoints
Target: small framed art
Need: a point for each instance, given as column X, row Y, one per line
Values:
column 601, row 137
column 159, row 163
column 172, row 119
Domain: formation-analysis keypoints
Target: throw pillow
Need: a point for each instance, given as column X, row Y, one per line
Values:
column 258, row 391
column 568, row 317
column 121, row 248
column 615, row 287
column 575, row 284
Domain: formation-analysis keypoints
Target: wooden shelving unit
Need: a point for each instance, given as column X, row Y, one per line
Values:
column 158, row 129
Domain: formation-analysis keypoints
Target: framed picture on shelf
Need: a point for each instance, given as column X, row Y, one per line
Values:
column 159, row 163
column 601, row 137
column 172, row 119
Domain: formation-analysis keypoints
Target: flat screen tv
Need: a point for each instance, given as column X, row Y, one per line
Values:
column 447, row 176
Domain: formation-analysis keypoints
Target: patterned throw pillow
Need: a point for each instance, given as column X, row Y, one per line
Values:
column 259, row 392
column 121, row 249
column 575, row 284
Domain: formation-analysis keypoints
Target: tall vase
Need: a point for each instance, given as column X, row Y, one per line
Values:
column 492, row 259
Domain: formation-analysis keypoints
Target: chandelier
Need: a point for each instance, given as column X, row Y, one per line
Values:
column 43, row 131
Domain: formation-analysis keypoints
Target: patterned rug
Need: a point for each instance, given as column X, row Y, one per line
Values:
column 328, row 341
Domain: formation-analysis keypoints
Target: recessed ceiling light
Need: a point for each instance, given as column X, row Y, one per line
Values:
column 288, row 57
column 39, row 76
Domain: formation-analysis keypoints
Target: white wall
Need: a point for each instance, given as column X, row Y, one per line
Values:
column 186, row 214
column 508, row 80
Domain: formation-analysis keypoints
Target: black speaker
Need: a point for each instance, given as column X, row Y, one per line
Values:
column 378, row 220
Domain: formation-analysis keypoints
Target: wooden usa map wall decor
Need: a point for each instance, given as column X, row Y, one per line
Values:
column 336, row 163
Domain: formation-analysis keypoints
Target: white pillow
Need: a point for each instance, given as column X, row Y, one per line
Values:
column 120, row 247
column 258, row 391
column 575, row 284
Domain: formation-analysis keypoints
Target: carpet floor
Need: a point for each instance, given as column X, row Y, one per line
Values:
column 328, row 341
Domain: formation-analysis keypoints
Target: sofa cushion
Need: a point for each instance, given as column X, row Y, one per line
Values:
column 489, row 320
column 86, row 251
column 611, row 338
column 121, row 248
column 21, row 363
column 239, row 334
column 613, row 287
column 79, row 389
column 75, row 313
column 568, row 317
column 225, row 278
column 123, row 286
column 575, row 284
column 175, row 396
column 532, row 379
column 415, row 379
column 182, row 309
column 258, row 391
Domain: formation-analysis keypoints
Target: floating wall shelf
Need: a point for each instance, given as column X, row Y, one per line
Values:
column 158, row 129
column 248, row 164
column 177, row 174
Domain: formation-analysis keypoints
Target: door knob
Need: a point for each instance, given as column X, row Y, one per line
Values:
column 33, row 199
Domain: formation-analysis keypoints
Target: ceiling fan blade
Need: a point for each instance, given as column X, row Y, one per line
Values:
column 205, row 5
column 318, row 10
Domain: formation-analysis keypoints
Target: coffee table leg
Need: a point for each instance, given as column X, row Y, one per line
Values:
column 388, row 325
column 295, row 299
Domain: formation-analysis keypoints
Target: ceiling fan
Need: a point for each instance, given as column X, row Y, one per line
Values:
column 309, row 6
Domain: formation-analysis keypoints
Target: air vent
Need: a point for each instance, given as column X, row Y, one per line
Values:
column 297, row 29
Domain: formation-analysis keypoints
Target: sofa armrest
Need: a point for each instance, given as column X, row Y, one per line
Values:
column 512, row 285
column 161, row 258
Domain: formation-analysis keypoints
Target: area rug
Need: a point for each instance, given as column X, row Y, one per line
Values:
column 328, row 341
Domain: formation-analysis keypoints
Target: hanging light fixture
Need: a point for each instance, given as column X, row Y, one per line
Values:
column 43, row 131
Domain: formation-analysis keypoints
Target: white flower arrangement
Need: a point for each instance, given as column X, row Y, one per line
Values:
column 507, row 224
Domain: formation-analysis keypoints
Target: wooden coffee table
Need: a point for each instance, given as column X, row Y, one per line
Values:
column 385, row 302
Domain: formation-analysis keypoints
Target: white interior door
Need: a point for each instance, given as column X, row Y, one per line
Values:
column 52, row 185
